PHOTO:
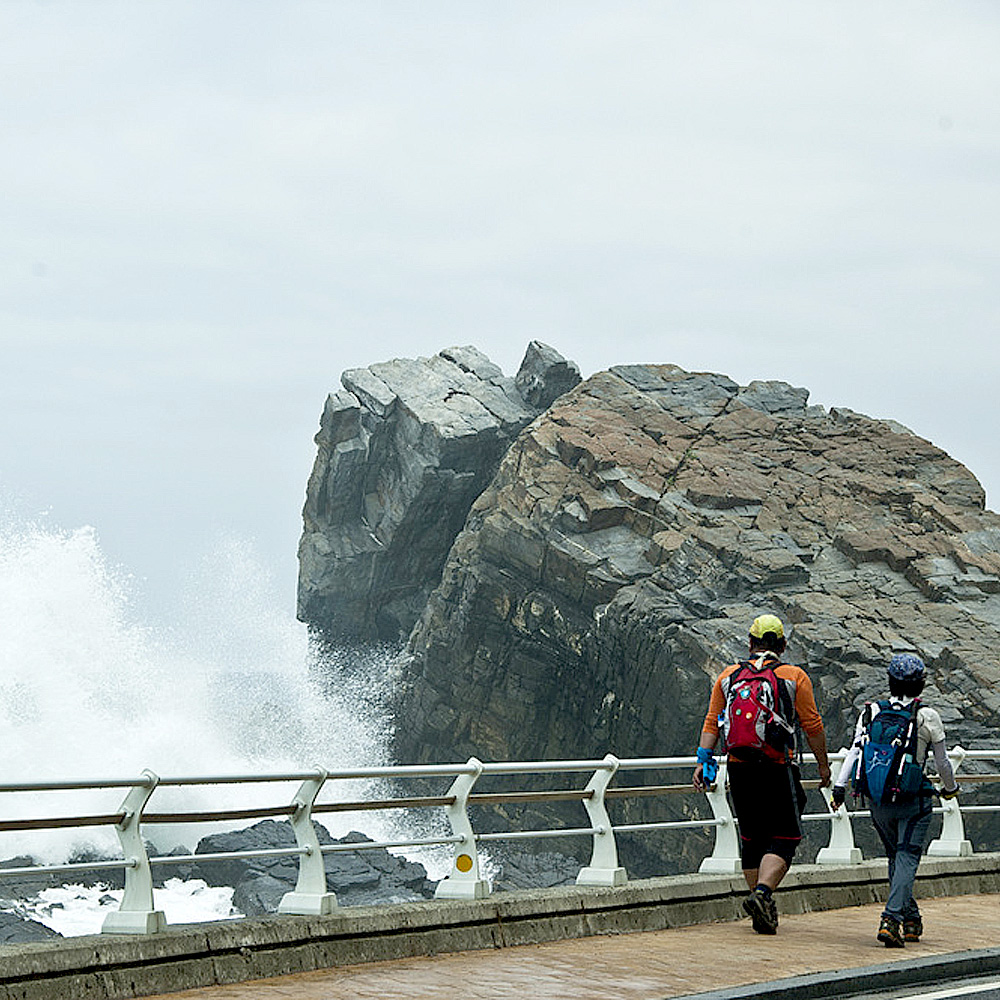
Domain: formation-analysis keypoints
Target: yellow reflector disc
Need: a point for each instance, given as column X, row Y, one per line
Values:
column 463, row 863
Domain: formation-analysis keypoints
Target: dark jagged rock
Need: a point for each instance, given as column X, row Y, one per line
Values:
column 544, row 376
column 358, row 878
column 521, row 870
column 403, row 450
column 25, row 886
column 15, row 929
column 13, row 887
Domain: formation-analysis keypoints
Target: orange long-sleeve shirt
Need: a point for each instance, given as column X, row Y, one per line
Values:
column 799, row 687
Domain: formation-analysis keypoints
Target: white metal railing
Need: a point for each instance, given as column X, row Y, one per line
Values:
column 137, row 914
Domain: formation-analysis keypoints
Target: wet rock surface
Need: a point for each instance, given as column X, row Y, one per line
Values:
column 365, row 876
column 15, row 929
column 358, row 877
column 525, row 870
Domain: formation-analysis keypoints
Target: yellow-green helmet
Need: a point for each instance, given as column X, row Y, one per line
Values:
column 764, row 624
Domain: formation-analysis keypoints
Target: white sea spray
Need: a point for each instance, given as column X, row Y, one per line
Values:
column 234, row 686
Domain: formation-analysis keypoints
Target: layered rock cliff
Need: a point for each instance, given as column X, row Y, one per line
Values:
column 618, row 545
column 403, row 450
column 633, row 532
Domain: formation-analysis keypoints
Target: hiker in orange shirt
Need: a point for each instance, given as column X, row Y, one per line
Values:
column 754, row 706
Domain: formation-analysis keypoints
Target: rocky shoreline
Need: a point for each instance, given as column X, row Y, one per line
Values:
column 366, row 877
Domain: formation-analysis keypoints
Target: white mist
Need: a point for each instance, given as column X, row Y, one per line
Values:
column 88, row 692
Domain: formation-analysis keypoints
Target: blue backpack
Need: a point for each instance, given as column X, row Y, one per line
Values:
column 888, row 770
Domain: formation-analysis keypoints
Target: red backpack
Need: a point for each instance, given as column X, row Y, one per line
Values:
column 758, row 709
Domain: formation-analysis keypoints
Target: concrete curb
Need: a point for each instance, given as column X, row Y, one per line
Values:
column 935, row 969
column 116, row 967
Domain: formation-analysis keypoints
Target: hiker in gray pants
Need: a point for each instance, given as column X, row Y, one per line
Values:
column 903, row 824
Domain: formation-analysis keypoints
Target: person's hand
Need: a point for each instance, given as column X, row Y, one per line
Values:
column 825, row 775
column 706, row 770
column 953, row 794
column 837, row 797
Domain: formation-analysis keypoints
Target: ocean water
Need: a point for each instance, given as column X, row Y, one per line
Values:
column 233, row 686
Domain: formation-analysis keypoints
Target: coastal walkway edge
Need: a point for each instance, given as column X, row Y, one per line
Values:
column 112, row 967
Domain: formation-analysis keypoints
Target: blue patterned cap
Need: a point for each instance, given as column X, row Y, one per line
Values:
column 906, row 665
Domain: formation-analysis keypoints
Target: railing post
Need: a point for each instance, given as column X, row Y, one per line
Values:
column 841, row 850
column 463, row 882
column 310, row 896
column 725, row 858
column 136, row 914
column 603, row 869
column 952, row 842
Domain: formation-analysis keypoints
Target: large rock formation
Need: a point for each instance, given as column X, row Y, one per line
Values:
column 614, row 561
column 404, row 450
column 631, row 534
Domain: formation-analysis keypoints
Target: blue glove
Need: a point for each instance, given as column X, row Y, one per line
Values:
column 709, row 768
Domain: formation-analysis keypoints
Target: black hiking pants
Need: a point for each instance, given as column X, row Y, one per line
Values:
column 766, row 802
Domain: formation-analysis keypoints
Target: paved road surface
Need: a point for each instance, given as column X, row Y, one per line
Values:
column 647, row 966
column 986, row 989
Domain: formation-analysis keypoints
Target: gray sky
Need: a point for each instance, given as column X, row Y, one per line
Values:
column 210, row 209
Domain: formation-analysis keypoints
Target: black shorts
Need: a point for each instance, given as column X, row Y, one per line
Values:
column 766, row 802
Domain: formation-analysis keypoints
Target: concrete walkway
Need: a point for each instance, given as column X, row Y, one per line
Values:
column 643, row 966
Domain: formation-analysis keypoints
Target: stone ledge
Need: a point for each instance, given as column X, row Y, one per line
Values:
column 182, row 957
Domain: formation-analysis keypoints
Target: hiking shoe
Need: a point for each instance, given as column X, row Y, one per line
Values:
column 912, row 929
column 890, row 933
column 762, row 911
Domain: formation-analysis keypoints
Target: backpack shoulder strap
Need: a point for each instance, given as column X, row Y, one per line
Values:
column 729, row 679
column 872, row 708
column 784, row 711
column 913, row 727
column 785, row 698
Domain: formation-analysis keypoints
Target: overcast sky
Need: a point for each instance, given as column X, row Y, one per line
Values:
column 209, row 209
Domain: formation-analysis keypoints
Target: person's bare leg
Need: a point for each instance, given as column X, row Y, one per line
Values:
column 771, row 872
column 750, row 874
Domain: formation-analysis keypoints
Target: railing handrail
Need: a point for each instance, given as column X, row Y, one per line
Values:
column 408, row 771
column 397, row 771
column 311, row 895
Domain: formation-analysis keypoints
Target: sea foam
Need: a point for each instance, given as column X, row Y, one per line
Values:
column 233, row 686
